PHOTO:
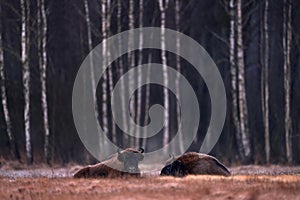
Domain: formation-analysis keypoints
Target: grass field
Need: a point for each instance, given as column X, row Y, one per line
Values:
column 247, row 182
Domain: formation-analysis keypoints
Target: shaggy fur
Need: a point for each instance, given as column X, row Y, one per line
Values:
column 194, row 163
column 125, row 163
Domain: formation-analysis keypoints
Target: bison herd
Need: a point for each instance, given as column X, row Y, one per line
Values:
column 125, row 163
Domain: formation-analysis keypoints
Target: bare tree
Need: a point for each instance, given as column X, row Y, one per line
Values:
column 139, row 95
column 104, row 56
column 131, row 63
column 287, row 37
column 42, row 54
column 178, row 68
column 25, row 13
column 238, row 93
column 109, row 71
column 163, row 5
column 233, row 73
column 121, row 72
column 242, row 100
column 11, row 138
column 147, row 100
column 265, row 81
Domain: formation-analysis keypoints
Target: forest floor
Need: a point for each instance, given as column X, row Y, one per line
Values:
column 247, row 182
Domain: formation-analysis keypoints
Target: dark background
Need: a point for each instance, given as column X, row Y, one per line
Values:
column 205, row 21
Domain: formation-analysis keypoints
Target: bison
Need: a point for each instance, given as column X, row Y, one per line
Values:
column 125, row 163
column 194, row 163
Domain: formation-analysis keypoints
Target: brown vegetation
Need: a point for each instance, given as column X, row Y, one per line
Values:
column 190, row 187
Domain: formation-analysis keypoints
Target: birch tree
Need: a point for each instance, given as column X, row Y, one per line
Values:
column 242, row 101
column 110, row 73
column 178, row 68
column 287, row 37
column 238, row 93
column 163, row 5
column 131, row 63
column 25, row 11
column 91, row 71
column 42, row 54
column 139, row 91
column 233, row 73
column 11, row 137
column 121, row 72
column 265, row 82
column 104, row 56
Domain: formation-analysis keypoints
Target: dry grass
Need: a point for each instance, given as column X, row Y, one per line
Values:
column 247, row 182
column 191, row 187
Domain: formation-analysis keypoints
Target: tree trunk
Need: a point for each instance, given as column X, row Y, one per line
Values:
column 242, row 101
column 104, row 83
column 110, row 73
column 121, row 72
column 13, row 146
column 178, row 68
column 131, row 64
column 287, row 36
column 163, row 7
column 139, row 91
column 26, row 75
column 42, row 54
column 147, row 101
column 233, row 73
column 265, row 82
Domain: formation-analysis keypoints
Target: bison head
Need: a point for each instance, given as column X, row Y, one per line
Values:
column 130, row 158
column 176, row 168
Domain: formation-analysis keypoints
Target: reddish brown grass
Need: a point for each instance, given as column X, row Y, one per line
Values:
column 190, row 187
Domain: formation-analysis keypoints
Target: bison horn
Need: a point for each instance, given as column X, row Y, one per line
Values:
column 141, row 150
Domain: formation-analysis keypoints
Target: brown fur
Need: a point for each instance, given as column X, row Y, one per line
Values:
column 102, row 169
column 196, row 163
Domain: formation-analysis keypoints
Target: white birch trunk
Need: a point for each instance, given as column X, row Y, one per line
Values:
column 110, row 74
column 147, row 100
column 139, row 91
column 121, row 72
column 163, row 7
column 12, row 142
column 178, row 68
column 92, row 73
column 265, row 80
column 242, row 101
column 26, row 75
column 42, row 53
column 233, row 73
column 131, row 64
column 287, row 36
column 104, row 83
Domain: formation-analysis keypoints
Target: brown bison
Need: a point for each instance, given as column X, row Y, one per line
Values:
column 125, row 163
column 194, row 163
